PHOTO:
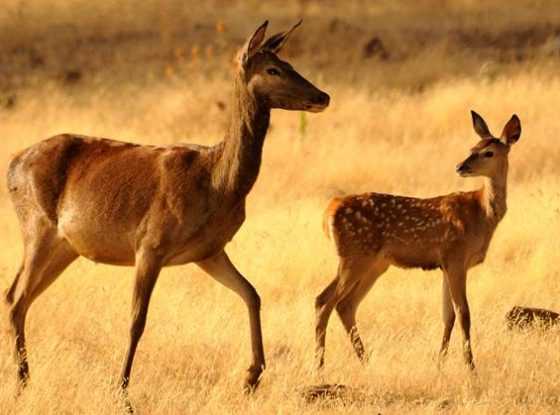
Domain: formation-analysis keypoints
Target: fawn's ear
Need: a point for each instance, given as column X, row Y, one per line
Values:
column 480, row 126
column 512, row 131
column 252, row 45
column 275, row 43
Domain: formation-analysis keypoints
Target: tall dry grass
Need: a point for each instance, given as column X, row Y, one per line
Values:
column 196, row 346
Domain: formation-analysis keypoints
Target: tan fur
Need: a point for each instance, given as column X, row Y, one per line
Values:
column 147, row 206
column 329, row 214
column 374, row 231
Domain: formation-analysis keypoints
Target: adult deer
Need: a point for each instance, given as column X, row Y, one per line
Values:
column 374, row 231
column 150, row 207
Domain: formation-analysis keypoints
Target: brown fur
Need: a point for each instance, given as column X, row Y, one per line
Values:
column 374, row 231
column 151, row 207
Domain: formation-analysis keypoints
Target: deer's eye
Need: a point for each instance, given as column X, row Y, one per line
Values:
column 273, row 71
column 488, row 154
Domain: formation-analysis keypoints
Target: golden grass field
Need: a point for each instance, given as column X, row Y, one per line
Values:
column 395, row 125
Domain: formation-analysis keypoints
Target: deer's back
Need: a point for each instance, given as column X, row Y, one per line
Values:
column 410, row 232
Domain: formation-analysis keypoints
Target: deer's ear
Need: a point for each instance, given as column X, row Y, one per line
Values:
column 480, row 126
column 512, row 130
column 253, row 44
column 275, row 43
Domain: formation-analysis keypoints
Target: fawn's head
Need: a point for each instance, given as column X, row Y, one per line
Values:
column 490, row 156
column 274, row 81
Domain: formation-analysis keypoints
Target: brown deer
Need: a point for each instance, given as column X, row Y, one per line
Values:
column 150, row 207
column 374, row 231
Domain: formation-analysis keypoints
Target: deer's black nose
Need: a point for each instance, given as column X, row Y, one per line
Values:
column 321, row 99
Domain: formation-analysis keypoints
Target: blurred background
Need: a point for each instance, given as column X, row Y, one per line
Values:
column 398, row 44
column 403, row 76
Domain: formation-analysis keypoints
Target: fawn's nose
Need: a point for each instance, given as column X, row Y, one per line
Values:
column 322, row 99
column 465, row 166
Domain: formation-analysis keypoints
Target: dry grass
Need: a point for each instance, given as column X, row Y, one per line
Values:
column 400, row 138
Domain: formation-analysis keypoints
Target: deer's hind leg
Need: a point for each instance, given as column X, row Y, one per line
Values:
column 324, row 304
column 46, row 256
column 350, row 273
column 9, row 297
column 348, row 306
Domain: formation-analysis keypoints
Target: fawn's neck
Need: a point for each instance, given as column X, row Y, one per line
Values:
column 494, row 194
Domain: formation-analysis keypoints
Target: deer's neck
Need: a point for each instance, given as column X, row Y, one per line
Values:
column 238, row 167
column 494, row 194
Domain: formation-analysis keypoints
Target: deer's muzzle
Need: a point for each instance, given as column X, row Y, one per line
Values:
column 319, row 102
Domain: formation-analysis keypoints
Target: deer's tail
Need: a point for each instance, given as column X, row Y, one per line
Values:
column 328, row 216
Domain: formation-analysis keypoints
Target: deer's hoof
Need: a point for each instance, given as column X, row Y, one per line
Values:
column 319, row 365
column 252, row 379
column 23, row 375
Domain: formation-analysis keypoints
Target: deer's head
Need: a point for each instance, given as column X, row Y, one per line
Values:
column 490, row 156
column 274, row 81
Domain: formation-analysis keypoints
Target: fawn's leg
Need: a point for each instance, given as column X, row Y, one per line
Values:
column 448, row 314
column 348, row 306
column 349, row 272
column 457, row 280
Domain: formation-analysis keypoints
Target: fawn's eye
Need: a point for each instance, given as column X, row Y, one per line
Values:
column 488, row 154
column 273, row 71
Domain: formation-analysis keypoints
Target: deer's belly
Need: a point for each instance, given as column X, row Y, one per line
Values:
column 96, row 238
column 111, row 240
column 415, row 255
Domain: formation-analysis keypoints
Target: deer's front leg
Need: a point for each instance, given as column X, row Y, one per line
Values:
column 448, row 315
column 222, row 270
column 147, row 271
column 457, row 280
